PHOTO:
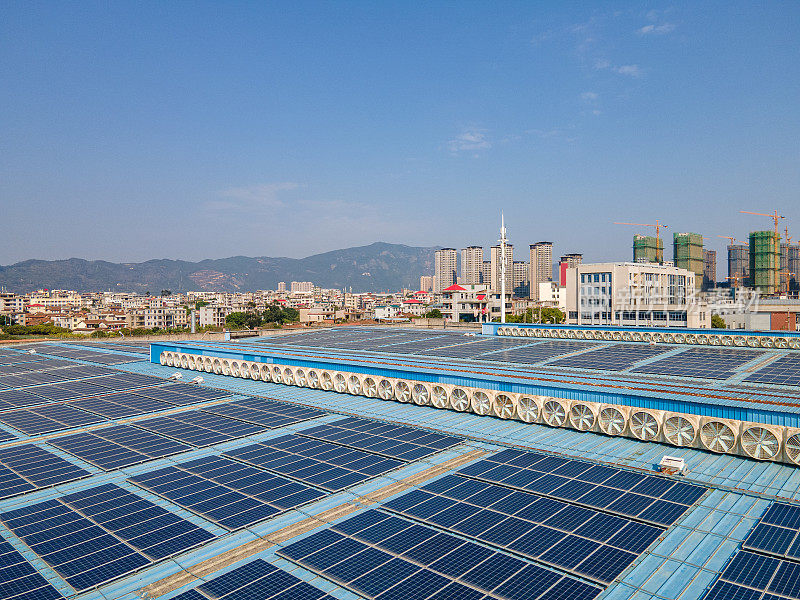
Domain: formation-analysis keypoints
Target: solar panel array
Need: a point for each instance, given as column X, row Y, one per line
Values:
column 83, row 353
column 102, row 533
column 120, row 405
column 395, row 441
column 118, row 446
column 182, row 394
column 256, row 580
column 536, row 352
column 378, row 555
column 769, row 562
column 28, row 467
column 19, row 580
column 47, row 418
column 614, row 357
column 708, row 363
column 229, row 493
column 586, row 542
column 783, row 371
column 199, row 428
column 656, row 500
column 329, row 466
column 134, row 347
column 261, row 411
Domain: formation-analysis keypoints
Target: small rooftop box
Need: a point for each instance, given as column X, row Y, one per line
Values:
column 672, row 465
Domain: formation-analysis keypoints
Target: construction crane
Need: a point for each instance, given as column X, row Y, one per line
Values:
column 658, row 227
column 776, row 219
column 732, row 239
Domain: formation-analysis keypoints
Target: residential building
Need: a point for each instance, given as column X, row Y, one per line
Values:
column 496, row 271
column 213, row 315
column 648, row 249
column 281, row 286
column 553, row 295
column 446, row 260
column 467, row 302
column 486, row 273
column 738, row 265
column 426, row 283
column 566, row 262
column 541, row 266
column 687, row 251
column 521, row 283
column 709, row 268
column 471, row 263
column 634, row 294
column 302, row 286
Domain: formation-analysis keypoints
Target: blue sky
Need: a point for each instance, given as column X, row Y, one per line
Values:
column 131, row 131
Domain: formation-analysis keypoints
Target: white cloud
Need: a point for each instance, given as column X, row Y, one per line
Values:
column 630, row 70
column 469, row 140
column 656, row 29
column 589, row 96
column 252, row 198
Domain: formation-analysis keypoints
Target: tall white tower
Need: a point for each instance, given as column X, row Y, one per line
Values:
column 503, row 241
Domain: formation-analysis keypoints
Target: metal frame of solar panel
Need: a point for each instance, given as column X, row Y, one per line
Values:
column 706, row 363
column 325, row 465
column 231, row 494
column 611, row 357
column 47, row 418
column 386, row 439
column 379, row 555
column 29, row 467
column 96, row 535
column 256, row 580
column 586, row 542
column 118, row 446
column 782, row 371
column 264, row 412
column 653, row 499
column 198, row 428
column 19, row 580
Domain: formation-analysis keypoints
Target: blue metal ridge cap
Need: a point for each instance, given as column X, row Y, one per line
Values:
column 491, row 329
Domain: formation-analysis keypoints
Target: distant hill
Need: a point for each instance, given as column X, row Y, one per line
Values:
column 377, row 267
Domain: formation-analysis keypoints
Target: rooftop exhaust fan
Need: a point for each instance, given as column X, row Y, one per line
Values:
column 644, row 426
column 459, row 400
column 385, row 389
column 402, row 392
column 718, row 437
column 527, row 409
column 679, row 431
column 312, row 379
column 300, row 378
column 612, row 421
column 480, row 403
column 504, row 406
column 581, row 417
column 792, row 448
column 420, row 394
column 554, row 413
column 369, row 387
column 439, row 397
column 760, row 443
column 354, row 385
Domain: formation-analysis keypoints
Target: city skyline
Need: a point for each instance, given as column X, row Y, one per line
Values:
column 411, row 127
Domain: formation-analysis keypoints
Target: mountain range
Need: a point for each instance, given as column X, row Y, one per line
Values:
column 373, row 268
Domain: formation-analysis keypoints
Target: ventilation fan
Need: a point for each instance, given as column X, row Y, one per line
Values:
column 402, row 391
column 657, row 338
column 616, row 336
column 636, row 336
column 792, row 448
column 300, row 377
column 217, row 366
column 554, row 413
column 234, row 368
column 208, row 364
column 715, row 340
column 794, row 343
column 767, row 342
column 459, row 400
column 439, row 397
column 354, row 385
column 385, row 390
column 690, row 338
column 753, row 341
column 254, row 371
column 184, row 361
column 612, row 421
column 760, row 443
column 162, row 358
column 326, row 381
column 226, row 367
column 277, row 375
column 581, row 417
column 781, row 342
column 530, row 332
column 264, row 372
column 679, row 431
column 339, row 383
column 717, row 437
column 527, row 409
column 190, row 362
column 420, row 394
column 288, row 376
column 369, row 387
column 480, row 403
column 626, row 336
column 312, row 379
column 503, row 406
column 644, row 426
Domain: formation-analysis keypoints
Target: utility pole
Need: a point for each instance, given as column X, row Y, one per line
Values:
column 503, row 241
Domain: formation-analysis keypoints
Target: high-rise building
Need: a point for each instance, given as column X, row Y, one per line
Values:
column 426, row 283
column 521, row 282
column 281, row 286
column 471, row 263
column 688, row 254
column 709, row 268
column 793, row 266
column 541, row 266
column 446, row 262
column 486, row 273
column 495, row 265
column 738, row 265
column 565, row 262
column 648, row 249
column 302, row 286
column 765, row 261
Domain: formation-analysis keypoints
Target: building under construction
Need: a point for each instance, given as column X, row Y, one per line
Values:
column 738, row 265
column 709, row 268
column 790, row 267
column 688, row 254
column 647, row 248
column 764, row 261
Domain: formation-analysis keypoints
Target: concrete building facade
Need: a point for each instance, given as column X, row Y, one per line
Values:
column 446, row 263
column 541, row 266
column 471, row 263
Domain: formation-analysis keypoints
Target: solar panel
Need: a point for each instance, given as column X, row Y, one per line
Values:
column 118, row 446
column 654, row 499
column 536, row 352
column 198, row 428
column 226, row 492
column 611, row 357
column 395, row 441
column 783, row 371
column 264, row 412
column 750, row 575
column 116, row 406
column 181, row 394
column 382, row 556
column 47, row 418
column 17, row 398
column 708, row 363
column 102, row 533
column 19, row 580
column 568, row 537
column 36, row 466
column 322, row 464
column 256, row 580
column 82, row 353
column 777, row 533
column 68, row 389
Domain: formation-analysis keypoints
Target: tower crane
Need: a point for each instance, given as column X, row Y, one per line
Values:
column 776, row 219
column 658, row 226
